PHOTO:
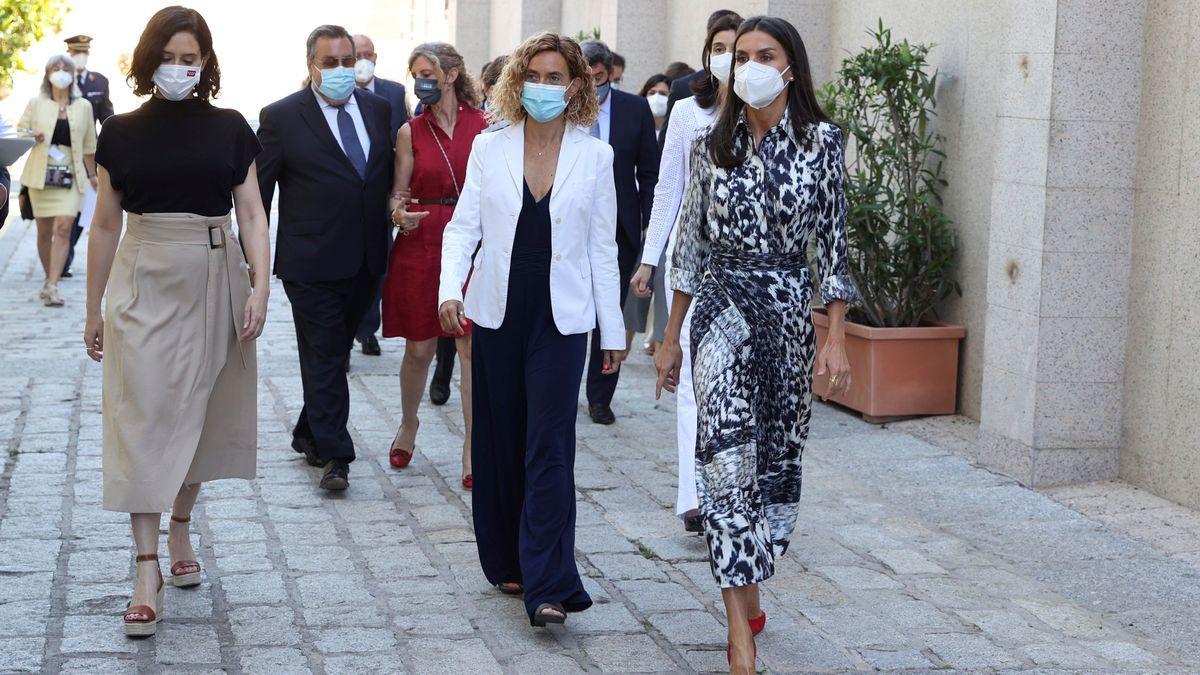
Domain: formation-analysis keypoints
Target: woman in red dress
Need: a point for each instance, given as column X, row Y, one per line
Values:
column 431, row 167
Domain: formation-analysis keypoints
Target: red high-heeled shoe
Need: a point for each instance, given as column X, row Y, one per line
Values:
column 758, row 623
column 468, row 481
column 399, row 457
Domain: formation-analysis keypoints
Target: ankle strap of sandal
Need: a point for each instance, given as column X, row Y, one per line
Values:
column 177, row 519
column 147, row 557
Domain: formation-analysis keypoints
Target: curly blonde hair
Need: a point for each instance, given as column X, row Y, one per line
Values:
column 582, row 109
column 445, row 57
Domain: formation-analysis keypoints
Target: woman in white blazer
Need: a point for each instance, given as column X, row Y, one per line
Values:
column 540, row 206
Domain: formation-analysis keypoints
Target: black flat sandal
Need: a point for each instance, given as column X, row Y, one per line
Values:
column 546, row 613
column 510, row 588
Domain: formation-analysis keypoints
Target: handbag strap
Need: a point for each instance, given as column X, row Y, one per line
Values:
column 453, row 178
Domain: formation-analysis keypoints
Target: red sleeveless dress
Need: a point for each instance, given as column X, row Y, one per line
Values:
column 410, row 292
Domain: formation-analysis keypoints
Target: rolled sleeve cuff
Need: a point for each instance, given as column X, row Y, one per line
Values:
column 684, row 281
column 839, row 287
column 446, row 293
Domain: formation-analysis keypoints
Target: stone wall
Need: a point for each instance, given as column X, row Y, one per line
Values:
column 1161, row 428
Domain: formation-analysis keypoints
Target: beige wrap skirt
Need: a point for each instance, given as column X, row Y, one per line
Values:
column 180, row 390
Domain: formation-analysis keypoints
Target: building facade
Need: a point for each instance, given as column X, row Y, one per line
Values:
column 1074, row 185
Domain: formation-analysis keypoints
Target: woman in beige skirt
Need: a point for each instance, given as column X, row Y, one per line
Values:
column 60, row 166
column 176, row 336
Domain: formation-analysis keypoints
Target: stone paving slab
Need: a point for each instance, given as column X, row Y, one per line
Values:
column 906, row 557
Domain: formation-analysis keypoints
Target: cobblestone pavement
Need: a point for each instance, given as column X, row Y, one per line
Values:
column 907, row 556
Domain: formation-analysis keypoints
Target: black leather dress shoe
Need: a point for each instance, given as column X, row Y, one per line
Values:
column 337, row 476
column 370, row 346
column 66, row 274
column 439, row 386
column 601, row 414
column 693, row 523
column 306, row 447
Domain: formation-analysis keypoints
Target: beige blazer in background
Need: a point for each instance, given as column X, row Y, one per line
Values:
column 41, row 114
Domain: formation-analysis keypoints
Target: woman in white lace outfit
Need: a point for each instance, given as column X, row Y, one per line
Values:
column 689, row 117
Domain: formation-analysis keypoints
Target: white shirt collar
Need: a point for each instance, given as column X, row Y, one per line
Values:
column 370, row 86
column 350, row 103
column 606, row 106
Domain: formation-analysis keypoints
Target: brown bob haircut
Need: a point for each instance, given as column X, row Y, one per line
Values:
column 147, row 56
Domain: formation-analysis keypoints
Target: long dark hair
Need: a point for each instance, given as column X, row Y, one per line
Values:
column 653, row 80
column 147, row 55
column 706, row 89
column 802, row 99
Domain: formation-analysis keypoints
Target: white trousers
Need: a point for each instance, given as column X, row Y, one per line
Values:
column 685, row 407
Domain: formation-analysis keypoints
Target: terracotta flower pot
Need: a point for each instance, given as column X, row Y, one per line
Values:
column 896, row 372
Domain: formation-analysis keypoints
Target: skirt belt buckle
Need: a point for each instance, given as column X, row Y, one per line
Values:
column 218, row 241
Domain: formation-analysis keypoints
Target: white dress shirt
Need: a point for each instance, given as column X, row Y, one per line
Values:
column 351, row 106
column 605, row 119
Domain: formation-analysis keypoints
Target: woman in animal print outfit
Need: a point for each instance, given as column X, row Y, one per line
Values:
column 766, row 181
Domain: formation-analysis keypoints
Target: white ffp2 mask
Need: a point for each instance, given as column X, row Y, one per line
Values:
column 719, row 65
column 758, row 84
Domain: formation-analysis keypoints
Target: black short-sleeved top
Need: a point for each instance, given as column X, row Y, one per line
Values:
column 177, row 156
column 62, row 133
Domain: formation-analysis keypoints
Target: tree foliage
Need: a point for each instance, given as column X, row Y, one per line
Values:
column 902, row 246
column 583, row 36
column 22, row 23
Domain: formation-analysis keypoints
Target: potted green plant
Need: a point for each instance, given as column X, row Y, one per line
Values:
column 901, row 244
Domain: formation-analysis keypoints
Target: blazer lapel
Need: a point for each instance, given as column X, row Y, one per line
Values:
column 514, row 154
column 568, row 156
column 379, row 137
column 311, row 112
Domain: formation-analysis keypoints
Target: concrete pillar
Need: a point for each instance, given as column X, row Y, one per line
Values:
column 469, row 22
column 1062, row 201
column 814, row 21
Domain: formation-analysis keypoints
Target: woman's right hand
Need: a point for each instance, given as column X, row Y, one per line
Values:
column 39, row 136
column 642, row 278
column 93, row 336
column 406, row 221
column 668, row 361
column 452, row 317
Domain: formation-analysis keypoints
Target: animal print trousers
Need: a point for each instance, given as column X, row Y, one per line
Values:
column 753, row 347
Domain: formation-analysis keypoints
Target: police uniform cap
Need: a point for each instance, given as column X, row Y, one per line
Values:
column 79, row 43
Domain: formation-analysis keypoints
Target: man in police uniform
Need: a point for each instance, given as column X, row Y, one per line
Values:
column 94, row 88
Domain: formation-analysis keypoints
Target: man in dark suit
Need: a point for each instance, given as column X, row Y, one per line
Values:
column 682, row 88
column 94, row 88
column 628, row 126
column 364, row 77
column 327, row 147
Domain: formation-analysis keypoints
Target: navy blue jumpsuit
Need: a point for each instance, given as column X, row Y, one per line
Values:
column 526, row 388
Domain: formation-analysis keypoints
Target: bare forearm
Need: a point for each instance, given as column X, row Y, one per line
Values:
column 680, row 304
column 102, row 249
column 257, row 243
column 89, row 162
column 837, row 320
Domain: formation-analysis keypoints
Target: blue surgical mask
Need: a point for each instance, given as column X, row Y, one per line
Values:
column 337, row 84
column 543, row 102
column 602, row 91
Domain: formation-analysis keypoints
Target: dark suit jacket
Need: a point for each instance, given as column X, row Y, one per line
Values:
column 635, row 162
column 95, row 90
column 394, row 93
column 331, row 221
column 680, row 89
column 6, row 183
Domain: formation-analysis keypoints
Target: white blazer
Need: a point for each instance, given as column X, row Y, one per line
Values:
column 585, row 285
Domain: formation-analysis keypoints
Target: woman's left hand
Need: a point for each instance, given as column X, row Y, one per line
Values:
column 255, row 315
column 612, row 361
column 832, row 360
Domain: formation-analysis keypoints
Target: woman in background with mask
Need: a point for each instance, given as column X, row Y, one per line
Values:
column 183, row 307
column 766, row 182
column 656, row 91
column 541, row 206
column 60, row 166
column 431, row 166
column 689, row 118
